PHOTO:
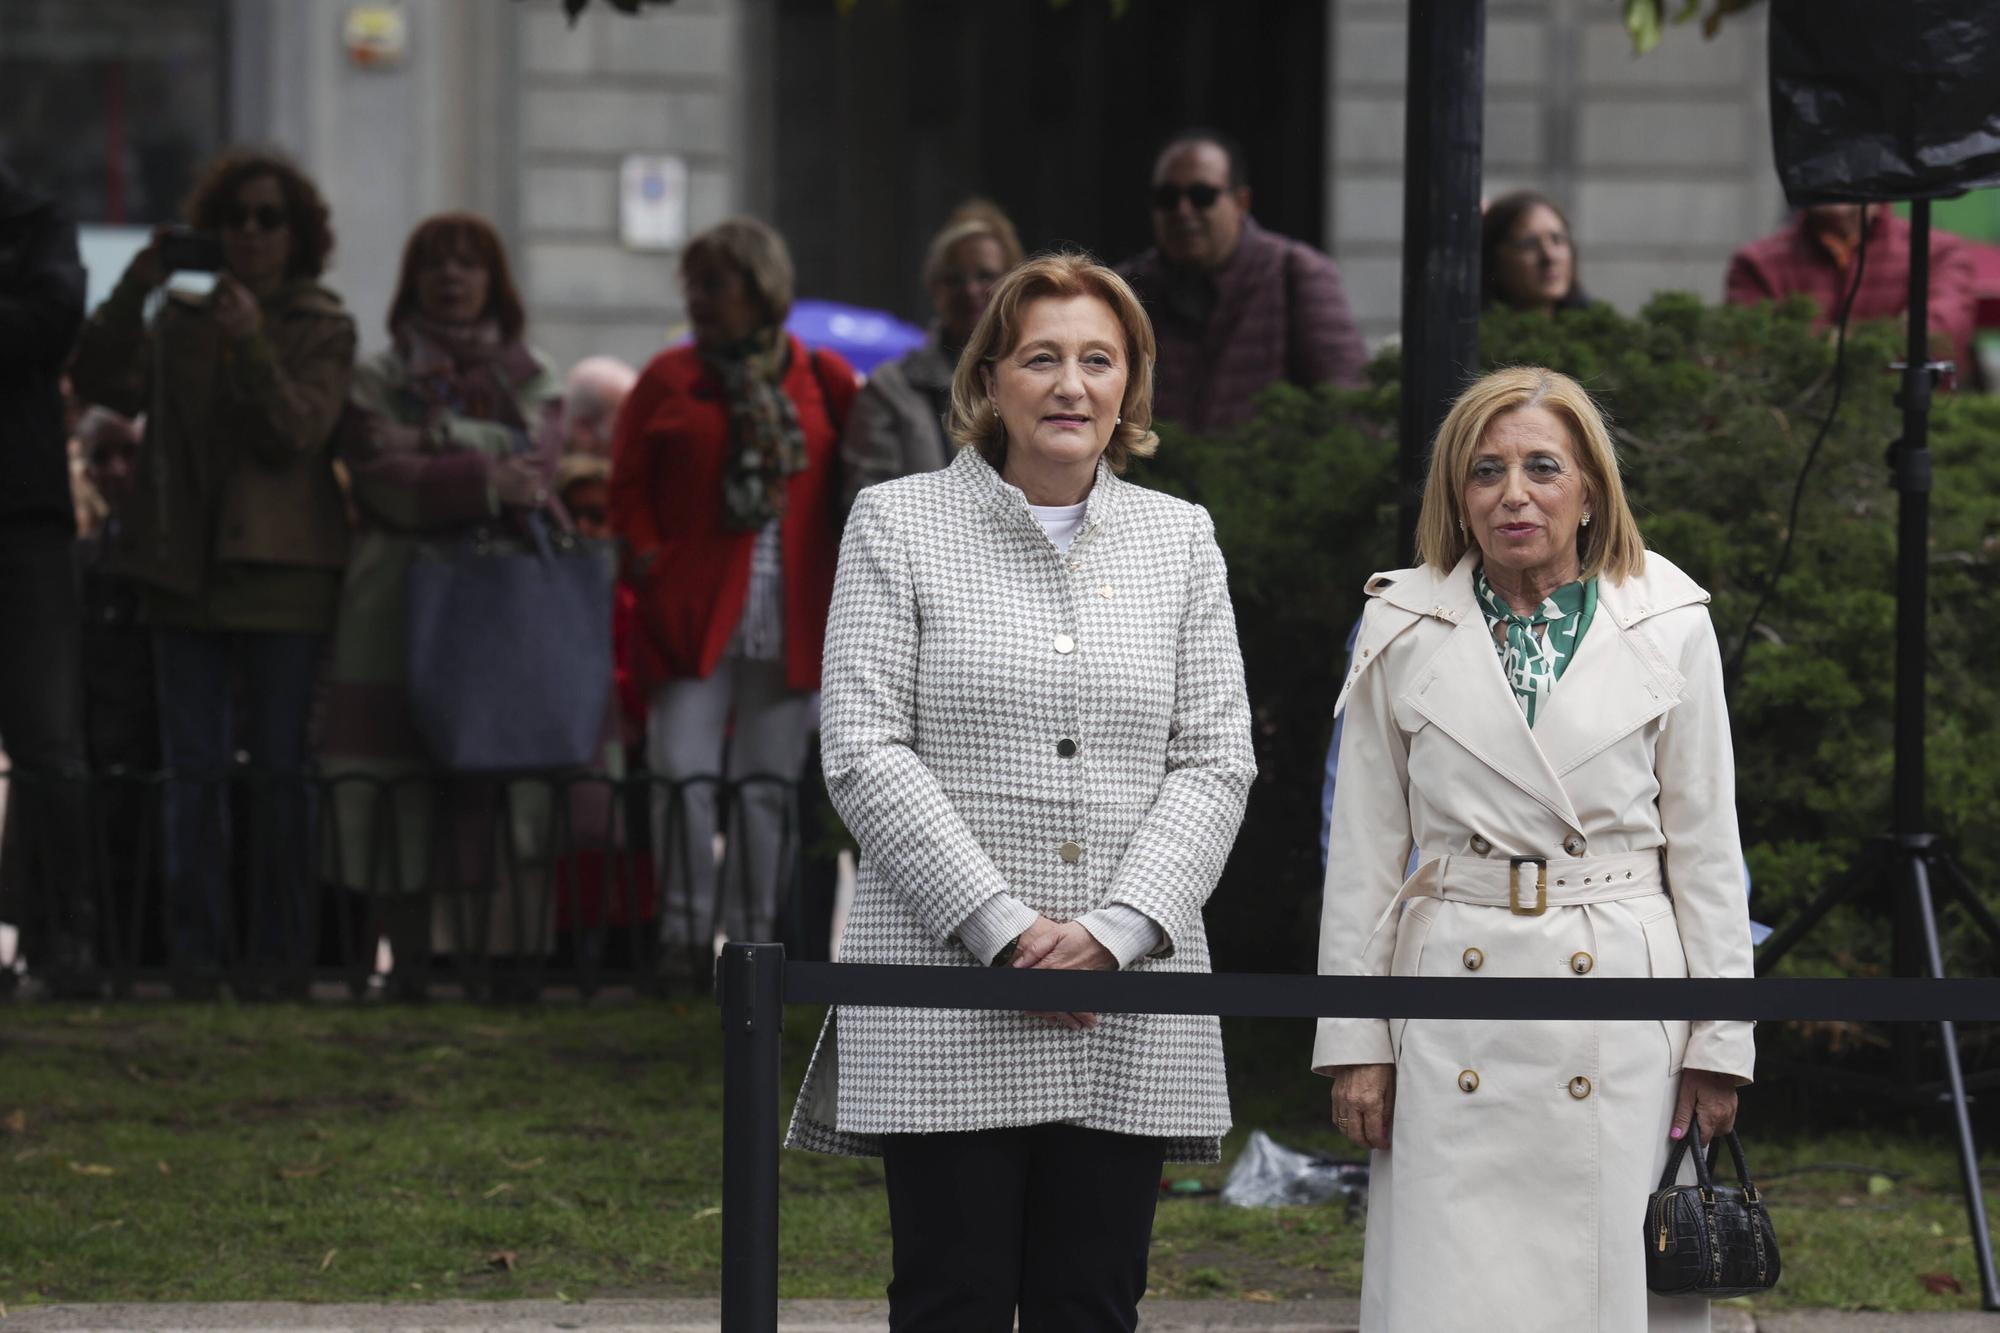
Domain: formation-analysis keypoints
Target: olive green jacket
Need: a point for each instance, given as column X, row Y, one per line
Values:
column 237, row 462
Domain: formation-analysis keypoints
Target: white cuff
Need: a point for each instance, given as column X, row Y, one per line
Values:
column 993, row 925
column 1128, row 933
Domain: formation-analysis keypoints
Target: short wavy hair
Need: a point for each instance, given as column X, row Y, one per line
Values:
column 470, row 236
column 973, row 422
column 758, row 251
column 973, row 218
column 1610, row 545
column 307, row 217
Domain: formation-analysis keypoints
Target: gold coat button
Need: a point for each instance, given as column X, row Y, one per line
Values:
column 1579, row 1087
column 1575, row 845
column 1480, row 845
column 1070, row 851
column 1581, row 963
column 1473, row 959
column 1065, row 644
column 1104, row 591
column 1468, row 1080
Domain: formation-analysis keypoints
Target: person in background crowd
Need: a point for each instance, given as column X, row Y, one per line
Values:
column 41, row 719
column 723, row 493
column 583, row 484
column 121, row 712
column 592, row 394
column 1236, row 307
column 898, row 422
column 1816, row 253
column 1037, row 729
column 237, row 534
column 453, row 434
column 1527, row 258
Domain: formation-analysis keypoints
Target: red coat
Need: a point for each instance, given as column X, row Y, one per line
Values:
column 692, row 576
column 1795, row 260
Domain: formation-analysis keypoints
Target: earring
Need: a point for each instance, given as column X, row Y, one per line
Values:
column 1586, row 520
column 1461, row 527
column 996, row 409
column 1119, row 421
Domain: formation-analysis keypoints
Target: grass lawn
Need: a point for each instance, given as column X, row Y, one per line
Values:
column 162, row 1152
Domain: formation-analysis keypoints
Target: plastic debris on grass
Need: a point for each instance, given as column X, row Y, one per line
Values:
column 1267, row 1174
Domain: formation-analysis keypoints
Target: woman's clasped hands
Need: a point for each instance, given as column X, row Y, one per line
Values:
column 1063, row 944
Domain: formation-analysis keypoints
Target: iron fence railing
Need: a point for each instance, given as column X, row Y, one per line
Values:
column 281, row 884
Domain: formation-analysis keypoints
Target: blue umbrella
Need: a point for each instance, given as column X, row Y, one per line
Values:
column 866, row 338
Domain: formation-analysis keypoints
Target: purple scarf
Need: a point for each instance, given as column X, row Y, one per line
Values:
column 468, row 370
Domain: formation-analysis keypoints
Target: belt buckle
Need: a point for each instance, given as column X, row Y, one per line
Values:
column 1541, row 865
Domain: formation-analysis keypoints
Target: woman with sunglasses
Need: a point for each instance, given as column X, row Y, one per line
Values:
column 236, row 532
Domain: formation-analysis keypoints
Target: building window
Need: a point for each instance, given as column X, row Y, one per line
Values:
column 113, row 105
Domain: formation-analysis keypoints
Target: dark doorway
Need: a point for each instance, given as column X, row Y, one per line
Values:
column 892, row 113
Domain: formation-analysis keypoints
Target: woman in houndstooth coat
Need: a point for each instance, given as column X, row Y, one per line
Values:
column 1035, row 725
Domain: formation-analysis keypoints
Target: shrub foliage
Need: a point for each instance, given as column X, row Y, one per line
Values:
column 1713, row 410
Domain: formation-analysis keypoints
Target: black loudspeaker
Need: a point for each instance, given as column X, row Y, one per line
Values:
column 1885, row 99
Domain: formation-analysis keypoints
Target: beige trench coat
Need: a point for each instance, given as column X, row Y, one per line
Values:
column 1523, row 1153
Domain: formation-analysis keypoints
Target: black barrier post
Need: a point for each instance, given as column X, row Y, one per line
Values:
column 751, row 986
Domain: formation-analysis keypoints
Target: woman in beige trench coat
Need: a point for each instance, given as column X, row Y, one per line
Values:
column 1537, row 709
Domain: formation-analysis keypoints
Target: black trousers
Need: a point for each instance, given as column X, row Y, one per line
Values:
column 46, row 882
column 1052, row 1219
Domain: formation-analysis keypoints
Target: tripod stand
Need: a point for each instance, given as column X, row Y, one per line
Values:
column 1903, row 860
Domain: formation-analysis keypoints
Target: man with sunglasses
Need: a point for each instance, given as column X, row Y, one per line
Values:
column 1235, row 308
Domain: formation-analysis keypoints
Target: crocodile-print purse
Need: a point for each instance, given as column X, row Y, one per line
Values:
column 1707, row 1239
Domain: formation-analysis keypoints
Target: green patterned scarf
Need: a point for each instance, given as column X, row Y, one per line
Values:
column 1532, row 661
column 765, row 443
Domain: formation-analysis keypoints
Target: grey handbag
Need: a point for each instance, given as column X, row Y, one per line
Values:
column 509, row 648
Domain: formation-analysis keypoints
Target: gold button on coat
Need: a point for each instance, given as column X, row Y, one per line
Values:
column 1575, row 845
column 1104, row 591
column 1480, row 845
column 1468, row 1080
column 1065, row 644
column 1579, row 1087
column 1581, row 963
column 1070, row 851
column 1473, row 959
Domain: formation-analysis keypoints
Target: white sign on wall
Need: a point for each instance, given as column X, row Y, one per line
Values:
column 653, row 202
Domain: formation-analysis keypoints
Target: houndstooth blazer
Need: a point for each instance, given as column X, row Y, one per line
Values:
column 961, row 648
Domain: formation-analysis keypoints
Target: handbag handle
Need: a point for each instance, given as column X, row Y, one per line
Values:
column 1704, row 1162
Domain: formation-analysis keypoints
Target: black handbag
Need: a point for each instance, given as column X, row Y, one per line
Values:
column 1707, row 1239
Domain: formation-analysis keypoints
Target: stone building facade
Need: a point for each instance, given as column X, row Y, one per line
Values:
column 1663, row 162
column 501, row 106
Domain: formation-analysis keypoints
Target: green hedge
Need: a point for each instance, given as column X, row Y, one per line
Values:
column 1713, row 410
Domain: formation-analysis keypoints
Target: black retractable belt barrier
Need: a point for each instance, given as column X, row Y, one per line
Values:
column 755, row 983
column 1280, row 995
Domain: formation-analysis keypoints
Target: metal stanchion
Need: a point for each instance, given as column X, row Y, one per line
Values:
column 751, row 981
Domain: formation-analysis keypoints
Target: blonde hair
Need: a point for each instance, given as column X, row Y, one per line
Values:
column 973, row 218
column 755, row 248
column 1610, row 545
column 973, row 422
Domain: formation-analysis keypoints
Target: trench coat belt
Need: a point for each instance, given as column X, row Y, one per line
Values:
column 1525, row 884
